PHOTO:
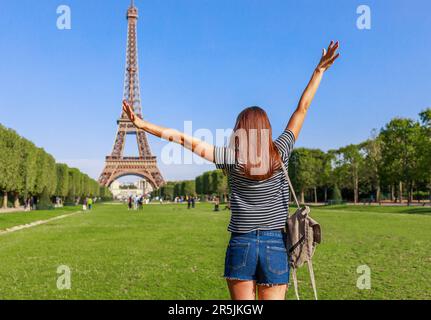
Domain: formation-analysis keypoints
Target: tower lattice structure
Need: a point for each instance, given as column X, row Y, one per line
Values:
column 116, row 164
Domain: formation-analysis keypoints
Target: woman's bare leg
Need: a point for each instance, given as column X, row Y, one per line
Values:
column 242, row 290
column 272, row 293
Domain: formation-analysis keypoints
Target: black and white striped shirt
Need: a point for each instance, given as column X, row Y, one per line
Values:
column 257, row 205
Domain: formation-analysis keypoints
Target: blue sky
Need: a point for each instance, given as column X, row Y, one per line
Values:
column 204, row 61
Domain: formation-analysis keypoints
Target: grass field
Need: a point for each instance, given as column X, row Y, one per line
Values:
column 169, row 252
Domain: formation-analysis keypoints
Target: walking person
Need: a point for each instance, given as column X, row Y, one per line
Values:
column 33, row 201
column 84, row 204
column 216, row 204
column 135, row 202
column 141, row 203
column 189, row 202
column 129, row 203
column 90, row 203
column 256, row 257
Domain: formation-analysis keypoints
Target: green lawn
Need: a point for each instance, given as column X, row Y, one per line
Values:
column 169, row 252
column 11, row 219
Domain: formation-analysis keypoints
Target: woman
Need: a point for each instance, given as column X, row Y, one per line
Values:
column 256, row 257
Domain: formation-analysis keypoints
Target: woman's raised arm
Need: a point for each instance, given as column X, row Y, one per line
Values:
column 201, row 148
column 328, row 58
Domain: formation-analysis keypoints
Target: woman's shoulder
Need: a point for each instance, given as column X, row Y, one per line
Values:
column 224, row 157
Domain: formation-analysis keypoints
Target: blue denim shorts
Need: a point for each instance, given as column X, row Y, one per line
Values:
column 258, row 255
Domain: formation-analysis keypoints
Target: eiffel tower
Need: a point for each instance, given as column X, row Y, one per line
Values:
column 117, row 165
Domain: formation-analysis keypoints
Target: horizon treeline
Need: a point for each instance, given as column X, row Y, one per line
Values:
column 28, row 171
column 394, row 164
column 210, row 183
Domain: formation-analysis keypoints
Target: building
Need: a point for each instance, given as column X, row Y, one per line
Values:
column 123, row 190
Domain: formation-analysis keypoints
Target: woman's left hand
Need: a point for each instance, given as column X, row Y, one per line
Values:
column 328, row 56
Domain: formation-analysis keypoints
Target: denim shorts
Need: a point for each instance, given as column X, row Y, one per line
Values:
column 258, row 255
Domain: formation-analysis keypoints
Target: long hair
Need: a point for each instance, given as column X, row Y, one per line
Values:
column 255, row 152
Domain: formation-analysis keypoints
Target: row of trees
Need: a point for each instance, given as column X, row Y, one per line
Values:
column 393, row 163
column 208, row 184
column 174, row 189
column 28, row 171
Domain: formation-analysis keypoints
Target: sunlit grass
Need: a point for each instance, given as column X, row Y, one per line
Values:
column 170, row 252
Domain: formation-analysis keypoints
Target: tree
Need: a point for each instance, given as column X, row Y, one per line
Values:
column 167, row 191
column 199, row 185
column 28, row 168
column 373, row 158
column 321, row 170
column 177, row 189
column 74, row 186
column 425, row 148
column 401, row 145
column 41, row 180
column 349, row 161
column 44, row 201
column 207, row 183
column 425, row 117
column 336, row 195
column 51, row 172
column 219, row 183
column 62, row 180
column 188, row 188
column 105, row 194
column 9, row 162
column 301, row 170
column 324, row 176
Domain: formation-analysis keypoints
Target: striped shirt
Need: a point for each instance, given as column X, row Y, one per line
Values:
column 257, row 205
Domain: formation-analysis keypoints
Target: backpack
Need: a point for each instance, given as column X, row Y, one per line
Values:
column 303, row 234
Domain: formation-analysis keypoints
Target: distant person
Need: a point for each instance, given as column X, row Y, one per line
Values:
column 135, row 202
column 141, row 203
column 27, row 204
column 33, row 201
column 84, row 204
column 90, row 203
column 193, row 201
column 129, row 202
column 216, row 204
column 258, row 194
column 189, row 202
column 227, row 205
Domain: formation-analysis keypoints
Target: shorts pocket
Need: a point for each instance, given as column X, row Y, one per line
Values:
column 237, row 255
column 277, row 260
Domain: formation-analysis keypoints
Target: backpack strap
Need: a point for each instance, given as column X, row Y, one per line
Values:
column 295, row 282
column 290, row 183
column 313, row 281
column 309, row 263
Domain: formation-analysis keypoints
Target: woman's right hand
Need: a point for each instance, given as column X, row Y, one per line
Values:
column 201, row 148
column 129, row 112
column 138, row 122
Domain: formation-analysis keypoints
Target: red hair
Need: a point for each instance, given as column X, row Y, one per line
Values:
column 255, row 150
